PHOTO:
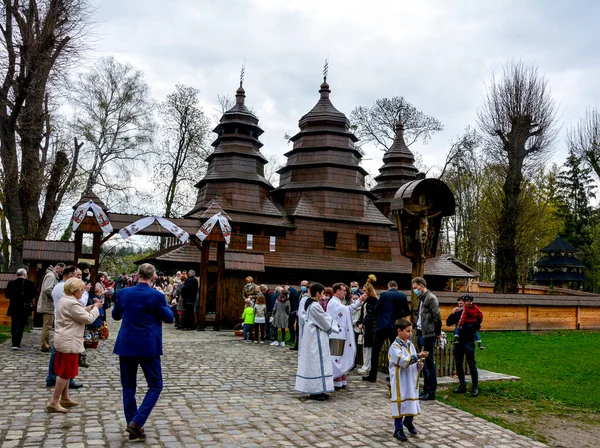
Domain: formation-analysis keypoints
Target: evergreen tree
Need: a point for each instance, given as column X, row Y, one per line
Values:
column 576, row 188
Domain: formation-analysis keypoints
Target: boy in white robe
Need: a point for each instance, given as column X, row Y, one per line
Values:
column 405, row 365
column 314, row 376
column 342, row 314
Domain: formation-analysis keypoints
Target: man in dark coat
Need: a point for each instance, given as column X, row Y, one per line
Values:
column 391, row 306
column 465, row 347
column 189, row 292
column 21, row 292
column 139, row 344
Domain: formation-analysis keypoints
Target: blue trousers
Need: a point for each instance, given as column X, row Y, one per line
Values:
column 398, row 422
column 429, row 375
column 247, row 331
column 153, row 374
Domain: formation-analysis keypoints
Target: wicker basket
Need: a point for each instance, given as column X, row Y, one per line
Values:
column 90, row 344
column 238, row 330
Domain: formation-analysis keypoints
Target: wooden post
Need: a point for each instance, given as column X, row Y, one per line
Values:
column 78, row 246
column 528, row 318
column 418, row 268
column 96, row 256
column 220, row 299
column 203, row 284
column 578, row 317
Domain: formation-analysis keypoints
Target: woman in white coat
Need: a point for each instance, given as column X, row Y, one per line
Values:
column 71, row 318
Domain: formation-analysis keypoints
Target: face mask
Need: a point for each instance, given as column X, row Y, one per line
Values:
column 248, row 284
column 303, row 289
column 354, row 289
column 417, row 292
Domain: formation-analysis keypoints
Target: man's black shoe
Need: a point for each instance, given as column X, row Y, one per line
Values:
column 427, row 397
column 318, row 397
column 399, row 434
column 475, row 392
column 135, row 431
column 50, row 383
column 337, row 387
column 74, row 385
column 83, row 364
column 460, row 390
column 411, row 428
column 368, row 378
column 295, row 348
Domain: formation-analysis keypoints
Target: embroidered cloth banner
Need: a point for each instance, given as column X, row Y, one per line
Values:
column 81, row 211
column 208, row 226
column 141, row 224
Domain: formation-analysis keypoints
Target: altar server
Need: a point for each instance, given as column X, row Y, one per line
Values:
column 314, row 376
column 405, row 365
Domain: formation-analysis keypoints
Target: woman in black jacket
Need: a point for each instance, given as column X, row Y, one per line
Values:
column 366, row 323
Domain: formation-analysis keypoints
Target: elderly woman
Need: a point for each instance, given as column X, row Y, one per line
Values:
column 71, row 318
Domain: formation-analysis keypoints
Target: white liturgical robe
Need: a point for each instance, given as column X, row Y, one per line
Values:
column 342, row 315
column 314, row 374
column 404, row 378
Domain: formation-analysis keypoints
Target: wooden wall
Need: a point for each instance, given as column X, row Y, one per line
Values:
column 523, row 317
column 4, row 319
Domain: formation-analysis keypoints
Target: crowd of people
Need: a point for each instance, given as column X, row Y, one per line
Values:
column 326, row 326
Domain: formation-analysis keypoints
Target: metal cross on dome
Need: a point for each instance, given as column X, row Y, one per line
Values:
column 243, row 73
column 326, row 69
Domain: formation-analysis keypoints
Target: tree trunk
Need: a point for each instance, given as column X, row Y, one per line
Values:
column 507, row 281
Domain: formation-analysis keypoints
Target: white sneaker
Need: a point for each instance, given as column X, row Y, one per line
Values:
column 274, row 344
column 282, row 344
column 256, row 342
column 17, row 348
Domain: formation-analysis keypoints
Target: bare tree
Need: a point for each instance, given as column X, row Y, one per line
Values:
column 584, row 139
column 377, row 124
column 518, row 122
column 38, row 39
column 273, row 165
column 184, row 148
column 114, row 114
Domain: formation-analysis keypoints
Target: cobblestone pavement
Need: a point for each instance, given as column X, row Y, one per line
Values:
column 218, row 392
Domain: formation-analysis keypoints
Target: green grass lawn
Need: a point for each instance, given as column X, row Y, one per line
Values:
column 560, row 365
column 559, row 374
column 4, row 333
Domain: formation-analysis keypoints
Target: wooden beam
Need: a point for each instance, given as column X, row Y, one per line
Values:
column 220, row 299
column 204, row 255
column 578, row 318
column 528, row 318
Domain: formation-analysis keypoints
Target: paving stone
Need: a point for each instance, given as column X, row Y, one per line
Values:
column 218, row 393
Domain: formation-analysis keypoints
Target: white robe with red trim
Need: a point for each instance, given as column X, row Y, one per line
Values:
column 404, row 378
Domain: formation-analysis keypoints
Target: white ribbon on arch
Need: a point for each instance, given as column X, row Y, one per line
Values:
column 141, row 224
column 81, row 211
column 208, row 226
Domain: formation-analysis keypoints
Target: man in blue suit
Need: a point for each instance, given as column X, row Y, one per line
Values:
column 139, row 343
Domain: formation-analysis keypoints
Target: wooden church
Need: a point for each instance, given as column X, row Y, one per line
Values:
column 321, row 223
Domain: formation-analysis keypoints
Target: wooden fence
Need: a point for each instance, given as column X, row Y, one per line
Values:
column 445, row 364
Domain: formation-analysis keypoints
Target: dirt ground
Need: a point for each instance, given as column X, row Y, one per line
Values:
column 559, row 428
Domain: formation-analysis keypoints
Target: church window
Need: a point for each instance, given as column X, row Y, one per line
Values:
column 362, row 242
column 330, row 239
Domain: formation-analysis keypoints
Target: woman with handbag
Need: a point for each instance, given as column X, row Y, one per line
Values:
column 366, row 323
column 71, row 318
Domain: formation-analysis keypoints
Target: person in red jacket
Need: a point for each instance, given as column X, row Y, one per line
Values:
column 470, row 318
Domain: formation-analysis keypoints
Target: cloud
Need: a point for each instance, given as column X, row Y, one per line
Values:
column 437, row 54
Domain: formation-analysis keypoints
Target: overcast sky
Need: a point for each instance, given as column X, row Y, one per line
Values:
column 439, row 55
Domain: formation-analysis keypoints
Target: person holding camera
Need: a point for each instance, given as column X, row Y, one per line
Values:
column 71, row 318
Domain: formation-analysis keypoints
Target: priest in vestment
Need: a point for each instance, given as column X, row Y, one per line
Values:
column 342, row 315
column 314, row 376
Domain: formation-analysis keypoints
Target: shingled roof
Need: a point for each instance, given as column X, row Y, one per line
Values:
column 558, row 245
column 185, row 254
column 54, row 251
